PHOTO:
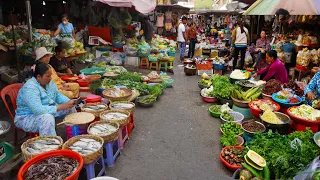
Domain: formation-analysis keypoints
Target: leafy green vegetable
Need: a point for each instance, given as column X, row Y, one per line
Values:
column 231, row 128
column 144, row 89
column 228, row 140
column 156, row 90
column 131, row 76
column 286, row 155
column 104, row 83
column 148, row 99
column 215, row 108
column 222, row 87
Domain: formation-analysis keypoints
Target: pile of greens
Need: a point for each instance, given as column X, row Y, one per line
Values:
column 144, row 89
column 231, row 128
column 131, row 76
column 102, row 83
column 286, row 155
column 156, row 90
column 222, row 87
column 228, row 139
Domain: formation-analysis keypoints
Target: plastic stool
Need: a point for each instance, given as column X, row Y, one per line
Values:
column 110, row 154
column 123, row 135
column 144, row 62
column 130, row 125
column 163, row 64
column 170, row 64
column 90, row 168
column 154, row 65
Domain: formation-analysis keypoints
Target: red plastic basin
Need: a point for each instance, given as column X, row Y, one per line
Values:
column 69, row 78
column 209, row 99
column 83, row 82
column 40, row 157
column 257, row 112
column 224, row 162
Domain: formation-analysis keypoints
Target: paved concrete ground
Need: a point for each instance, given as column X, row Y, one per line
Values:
column 175, row 139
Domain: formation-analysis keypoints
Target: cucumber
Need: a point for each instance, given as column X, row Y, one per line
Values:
column 256, row 95
column 266, row 173
column 252, row 170
column 247, row 92
column 252, row 92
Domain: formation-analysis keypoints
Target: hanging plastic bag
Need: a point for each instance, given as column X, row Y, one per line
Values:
column 248, row 58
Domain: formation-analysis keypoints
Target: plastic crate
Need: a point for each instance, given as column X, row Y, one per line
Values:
column 218, row 66
column 207, row 66
column 209, row 72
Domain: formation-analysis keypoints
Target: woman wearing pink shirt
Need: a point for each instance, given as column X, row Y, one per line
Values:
column 275, row 69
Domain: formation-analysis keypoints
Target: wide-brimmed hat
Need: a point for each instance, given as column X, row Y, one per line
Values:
column 40, row 52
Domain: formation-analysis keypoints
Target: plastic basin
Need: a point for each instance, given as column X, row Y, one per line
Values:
column 257, row 112
column 302, row 121
column 209, row 99
column 286, row 104
column 225, row 163
column 282, row 129
column 238, row 117
column 83, row 82
column 43, row 156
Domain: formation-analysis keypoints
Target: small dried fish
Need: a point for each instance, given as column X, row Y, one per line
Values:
column 114, row 116
column 53, row 168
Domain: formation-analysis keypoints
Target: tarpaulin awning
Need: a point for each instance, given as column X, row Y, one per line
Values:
column 294, row 7
column 142, row 6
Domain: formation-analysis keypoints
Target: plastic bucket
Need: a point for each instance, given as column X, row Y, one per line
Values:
column 40, row 157
column 288, row 47
column 75, row 130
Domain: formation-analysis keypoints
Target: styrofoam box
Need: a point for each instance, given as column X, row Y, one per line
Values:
column 209, row 72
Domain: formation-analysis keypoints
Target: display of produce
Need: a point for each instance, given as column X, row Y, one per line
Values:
column 222, row 87
column 239, row 74
column 294, row 87
column 43, row 145
column 272, row 86
column 228, row 140
column 131, row 76
column 207, row 92
column 104, row 83
column 53, row 168
column 286, row 155
column 263, row 105
column 271, row 117
column 232, row 156
column 252, row 126
column 254, row 167
column 144, row 89
column 93, row 108
column 148, row 99
column 215, row 108
column 226, row 116
column 231, row 128
column 306, row 112
column 249, row 95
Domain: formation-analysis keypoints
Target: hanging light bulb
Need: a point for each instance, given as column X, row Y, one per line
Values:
column 42, row 15
column 43, row 3
column 64, row 2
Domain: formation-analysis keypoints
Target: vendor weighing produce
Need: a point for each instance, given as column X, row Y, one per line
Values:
column 275, row 70
column 71, row 90
column 39, row 102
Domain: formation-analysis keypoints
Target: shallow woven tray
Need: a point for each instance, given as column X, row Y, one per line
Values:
column 107, row 94
column 96, row 113
column 121, row 122
column 130, row 110
column 88, row 158
column 106, row 138
column 26, row 155
column 79, row 118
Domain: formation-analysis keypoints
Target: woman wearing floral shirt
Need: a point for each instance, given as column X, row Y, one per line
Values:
column 312, row 90
column 39, row 102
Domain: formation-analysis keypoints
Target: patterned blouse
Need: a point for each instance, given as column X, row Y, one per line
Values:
column 313, row 86
column 33, row 99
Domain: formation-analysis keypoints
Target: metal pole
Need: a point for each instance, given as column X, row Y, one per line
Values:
column 15, row 47
column 28, row 10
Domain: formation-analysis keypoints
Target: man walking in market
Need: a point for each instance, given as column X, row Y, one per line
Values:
column 182, row 37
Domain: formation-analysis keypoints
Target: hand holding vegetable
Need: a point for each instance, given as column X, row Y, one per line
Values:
column 310, row 96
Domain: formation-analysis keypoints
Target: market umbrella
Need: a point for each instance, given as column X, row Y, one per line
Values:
column 294, row 7
column 143, row 6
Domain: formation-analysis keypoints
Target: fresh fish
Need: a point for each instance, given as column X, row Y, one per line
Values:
column 100, row 106
column 51, row 146
column 114, row 116
column 122, row 106
column 75, row 148
column 93, row 107
column 87, row 140
column 33, row 151
column 80, row 144
column 88, row 110
column 105, row 129
column 83, row 148
column 94, row 130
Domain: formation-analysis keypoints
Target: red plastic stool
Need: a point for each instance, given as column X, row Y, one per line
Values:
column 144, row 63
column 123, row 135
column 130, row 125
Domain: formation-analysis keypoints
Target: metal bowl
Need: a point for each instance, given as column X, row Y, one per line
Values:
column 202, row 86
column 4, row 128
column 250, row 133
column 281, row 128
column 239, row 103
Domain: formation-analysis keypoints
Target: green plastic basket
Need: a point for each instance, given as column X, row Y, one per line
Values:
column 92, row 71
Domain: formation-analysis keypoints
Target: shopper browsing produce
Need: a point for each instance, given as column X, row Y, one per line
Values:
column 71, row 90
column 312, row 90
column 59, row 62
column 275, row 70
column 191, row 39
column 65, row 27
column 39, row 102
column 182, row 37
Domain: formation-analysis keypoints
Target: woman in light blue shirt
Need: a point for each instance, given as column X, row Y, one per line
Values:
column 65, row 27
column 39, row 102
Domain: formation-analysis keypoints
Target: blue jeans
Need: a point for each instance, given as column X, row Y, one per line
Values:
column 182, row 49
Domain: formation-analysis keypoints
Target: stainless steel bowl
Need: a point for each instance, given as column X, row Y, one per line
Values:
column 239, row 103
column 250, row 133
column 281, row 128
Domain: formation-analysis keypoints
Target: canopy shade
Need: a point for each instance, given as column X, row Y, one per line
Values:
column 142, row 6
column 294, row 7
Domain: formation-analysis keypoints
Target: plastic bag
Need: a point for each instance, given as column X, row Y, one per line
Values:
column 225, row 107
column 304, row 57
column 248, row 58
column 114, row 19
column 309, row 172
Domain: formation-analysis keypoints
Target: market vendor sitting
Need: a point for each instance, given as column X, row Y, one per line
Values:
column 60, row 63
column 65, row 27
column 262, row 45
column 275, row 69
column 312, row 90
column 39, row 102
column 71, row 90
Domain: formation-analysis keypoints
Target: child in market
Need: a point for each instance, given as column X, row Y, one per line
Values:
column 228, row 56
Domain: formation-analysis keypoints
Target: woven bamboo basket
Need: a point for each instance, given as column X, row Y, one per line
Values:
column 108, row 94
column 106, row 138
column 88, row 158
column 96, row 113
column 121, row 122
column 130, row 110
column 26, row 155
